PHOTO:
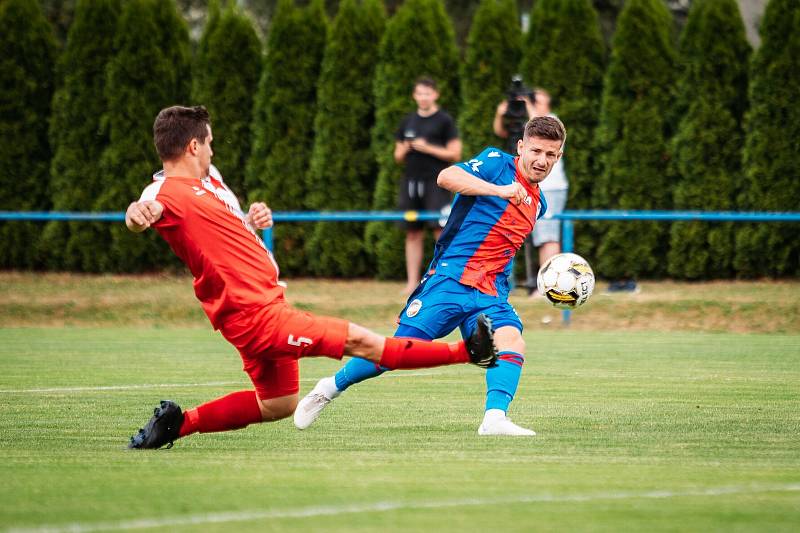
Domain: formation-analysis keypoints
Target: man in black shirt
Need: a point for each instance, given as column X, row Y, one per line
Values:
column 427, row 142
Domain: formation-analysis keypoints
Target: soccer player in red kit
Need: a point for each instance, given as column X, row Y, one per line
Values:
column 236, row 281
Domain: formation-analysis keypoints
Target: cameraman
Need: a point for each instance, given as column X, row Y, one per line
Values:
column 547, row 232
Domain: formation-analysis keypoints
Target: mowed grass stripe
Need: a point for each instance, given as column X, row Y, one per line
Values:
column 383, row 507
column 615, row 413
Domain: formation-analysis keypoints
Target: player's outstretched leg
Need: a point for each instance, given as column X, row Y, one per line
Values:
column 401, row 352
column 162, row 428
column 232, row 411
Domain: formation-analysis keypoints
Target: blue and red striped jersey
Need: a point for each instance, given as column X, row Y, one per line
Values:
column 483, row 233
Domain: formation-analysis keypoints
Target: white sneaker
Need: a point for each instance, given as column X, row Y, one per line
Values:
column 495, row 422
column 312, row 404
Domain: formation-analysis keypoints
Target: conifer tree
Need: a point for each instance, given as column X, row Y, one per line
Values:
column 225, row 78
column 26, row 90
column 149, row 71
column 772, row 147
column 283, row 122
column 416, row 26
column 342, row 174
column 565, row 54
column 635, row 123
column 708, row 145
column 77, row 135
column 491, row 58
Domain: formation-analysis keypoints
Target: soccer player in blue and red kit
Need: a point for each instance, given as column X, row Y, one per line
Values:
column 498, row 201
column 236, row 281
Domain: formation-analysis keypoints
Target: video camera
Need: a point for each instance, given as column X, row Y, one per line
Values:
column 516, row 114
column 516, row 92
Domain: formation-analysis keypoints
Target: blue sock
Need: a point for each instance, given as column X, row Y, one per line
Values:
column 357, row 370
column 502, row 380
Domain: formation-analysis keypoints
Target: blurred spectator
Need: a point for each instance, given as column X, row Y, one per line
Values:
column 426, row 142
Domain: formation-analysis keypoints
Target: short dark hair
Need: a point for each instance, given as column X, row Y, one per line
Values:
column 176, row 126
column 426, row 81
column 546, row 127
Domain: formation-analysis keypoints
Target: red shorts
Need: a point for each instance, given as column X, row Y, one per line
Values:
column 272, row 339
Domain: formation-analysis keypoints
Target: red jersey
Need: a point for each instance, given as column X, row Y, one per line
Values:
column 233, row 271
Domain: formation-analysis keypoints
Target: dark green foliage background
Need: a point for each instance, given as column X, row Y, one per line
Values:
column 772, row 149
column 283, row 122
column 150, row 71
column 491, row 57
column 225, row 78
column 565, row 54
column 635, row 124
column 342, row 173
column 78, row 135
column 419, row 40
column 27, row 81
column 706, row 164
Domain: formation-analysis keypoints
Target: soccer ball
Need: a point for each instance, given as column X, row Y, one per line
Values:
column 566, row 280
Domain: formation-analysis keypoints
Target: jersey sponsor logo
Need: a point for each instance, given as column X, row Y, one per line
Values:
column 299, row 341
column 413, row 308
column 475, row 165
column 198, row 191
column 494, row 154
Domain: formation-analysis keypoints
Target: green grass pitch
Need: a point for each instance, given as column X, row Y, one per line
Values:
column 636, row 431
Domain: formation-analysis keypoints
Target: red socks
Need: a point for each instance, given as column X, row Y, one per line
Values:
column 414, row 353
column 234, row 411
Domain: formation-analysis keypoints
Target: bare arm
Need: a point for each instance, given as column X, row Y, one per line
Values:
column 401, row 149
column 497, row 125
column 459, row 181
column 450, row 152
column 142, row 215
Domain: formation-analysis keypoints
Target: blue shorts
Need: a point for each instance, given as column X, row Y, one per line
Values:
column 440, row 304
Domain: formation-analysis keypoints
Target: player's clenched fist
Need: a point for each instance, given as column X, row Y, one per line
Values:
column 260, row 215
column 514, row 192
column 141, row 215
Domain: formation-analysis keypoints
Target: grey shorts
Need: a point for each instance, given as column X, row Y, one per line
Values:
column 549, row 229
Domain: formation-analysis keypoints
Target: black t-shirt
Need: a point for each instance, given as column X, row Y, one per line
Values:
column 438, row 129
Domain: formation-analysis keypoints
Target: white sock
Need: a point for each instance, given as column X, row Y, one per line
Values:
column 328, row 387
column 494, row 414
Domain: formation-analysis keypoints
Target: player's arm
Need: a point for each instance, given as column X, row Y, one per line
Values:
column 451, row 152
column 459, row 181
column 259, row 215
column 401, row 149
column 498, row 126
column 143, row 214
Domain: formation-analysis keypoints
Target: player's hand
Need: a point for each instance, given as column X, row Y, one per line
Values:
column 513, row 192
column 502, row 108
column 260, row 215
column 141, row 215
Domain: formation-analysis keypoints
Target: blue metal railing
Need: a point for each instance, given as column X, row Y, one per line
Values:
column 567, row 217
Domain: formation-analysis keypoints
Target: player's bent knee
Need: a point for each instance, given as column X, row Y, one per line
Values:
column 509, row 339
column 362, row 342
column 278, row 408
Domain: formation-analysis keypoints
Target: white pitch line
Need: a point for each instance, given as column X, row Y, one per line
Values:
column 176, row 385
column 124, row 387
column 381, row 507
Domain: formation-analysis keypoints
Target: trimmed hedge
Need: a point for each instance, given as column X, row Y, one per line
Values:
column 707, row 161
column 26, row 89
column 225, row 78
column 283, row 122
column 342, row 173
column 78, row 135
column 493, row 51
column 635, row 124
column 772, row 147
column 150, row 71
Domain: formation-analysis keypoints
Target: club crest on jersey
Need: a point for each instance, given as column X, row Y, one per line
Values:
column 528, row 200
column 413, row 308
